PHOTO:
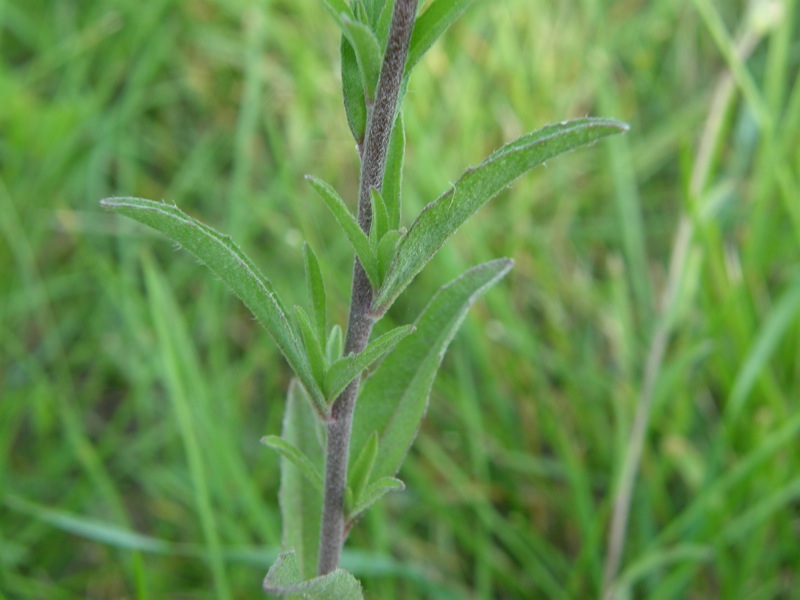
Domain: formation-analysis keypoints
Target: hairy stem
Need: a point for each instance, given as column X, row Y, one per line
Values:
column 359, row 328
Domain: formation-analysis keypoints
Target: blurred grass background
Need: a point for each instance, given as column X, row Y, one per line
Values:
column 656, row 275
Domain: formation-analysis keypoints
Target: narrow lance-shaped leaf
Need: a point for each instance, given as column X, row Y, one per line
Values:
column 300, row 499
column 316, row 292
column 442, row 217
column 394, row 398
column 229, row 263
column 285, row 579
column 292, row 453
column 347, row 368
column 374, row 492
column 368, row 54
column 393, row 175
column 335, row 344
column 316, row 358
column 337, row 8
column 360, row 474
column 349, row 224
column 384, row 22
column 386, row 251
column 355, row 102
column 380, row 219
column 374, row 8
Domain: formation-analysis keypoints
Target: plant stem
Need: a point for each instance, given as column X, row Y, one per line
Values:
column 359, row 328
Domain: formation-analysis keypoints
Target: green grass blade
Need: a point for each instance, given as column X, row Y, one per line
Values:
column 90, row 529
column 775, row 328
column 165, row 315
column 442, row 218
column 358, row 239
column 430, row 25
column 347, row 368
column 229, row 263
column 394, row 399
column 299, row 497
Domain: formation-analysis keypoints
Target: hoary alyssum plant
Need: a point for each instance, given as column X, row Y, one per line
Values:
column 345, row 434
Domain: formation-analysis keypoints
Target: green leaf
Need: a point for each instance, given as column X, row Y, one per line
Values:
column 355, row 102
column 361, row 472
column 374, row 492
column 336, row 8
column 335, row 345
column 229, row 263
column 285, row 577
column 380, row 219
column 300, row 499
column 316, row 291
column 291, row 452
column 394, row 398
column 430, row 25
column 384, row 22
column 387, row 250
column 358, row 239
column 316, row 358
column 368, row 54
column 374, row 8
column 347, row 368
column 442, row 218
column 393, row 175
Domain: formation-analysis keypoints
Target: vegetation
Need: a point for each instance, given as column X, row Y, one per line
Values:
column 652, row 307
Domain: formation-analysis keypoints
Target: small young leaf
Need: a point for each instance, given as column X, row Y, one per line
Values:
column 384, row 22
column 316, row 292
column 335, row 345
column 298, row 459
column 347, row 368
column 316, row 359
column 337, row 8
column 380, row 220
column 374, row 8
column 300, row 498
column 368, row 54
column 430, row 25
column 355, row 102
column 362, row 468
column 394, row 398
column 285, row 578
column 393, row 175
column 358, row 239
column 441, row 218
column 230, row 264
column 374, row 492
column 387, row 249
